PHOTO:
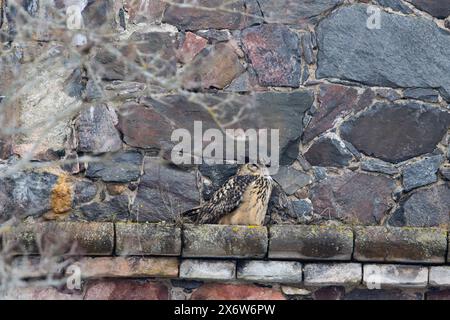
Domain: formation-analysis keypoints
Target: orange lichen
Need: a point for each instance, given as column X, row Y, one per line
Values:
column 61, row 198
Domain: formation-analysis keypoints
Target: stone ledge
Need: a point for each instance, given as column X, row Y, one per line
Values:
column 60, row 238
column 311, row 242
column 389, row 275
column 147, row 239
column 223, row 241
column 408, row 245
column 439, row 276
column 129, row 267
column 332, row 274
column 208, row 269
column 270, row 271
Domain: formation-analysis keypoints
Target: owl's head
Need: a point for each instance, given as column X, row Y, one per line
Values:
column 251, row 169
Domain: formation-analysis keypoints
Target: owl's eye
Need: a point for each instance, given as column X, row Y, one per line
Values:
column 253, row 167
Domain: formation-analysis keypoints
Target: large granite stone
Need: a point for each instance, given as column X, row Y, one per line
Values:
column 164, row 192
column 96, row 131
column 150, row 123
column 413, row 129
column 295, row 12
column 437, row 8
column 424, row 208
column 422, row 172
column 385, row 57
column 354, row 197
column 122, row 167
column 274, row 54
column 328, row 151
column 207, row 14
column 213, row 67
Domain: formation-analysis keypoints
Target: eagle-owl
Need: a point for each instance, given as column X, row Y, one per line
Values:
column 242, row 200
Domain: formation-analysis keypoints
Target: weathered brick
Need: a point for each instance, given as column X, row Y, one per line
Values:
column 228, row 291
column 380, row 276
column 126, row 289
column 147, row 239
column 330, row 274
column 439, row 276
column 208, row 269
column 39, row 293
column 424, row 245
column 223, row 241
column 270, row 271
column 311, row 242
column 128, row 267
column 60, row 238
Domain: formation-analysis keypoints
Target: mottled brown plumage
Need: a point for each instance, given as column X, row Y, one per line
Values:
column 242, row 200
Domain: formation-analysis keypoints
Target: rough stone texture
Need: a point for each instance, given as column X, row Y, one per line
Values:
column 328, row 151
column 252, row 111
column 428, row 95
column 335, row 101
column 61, row 238
column 164, row 192
column 424, row 208
column 380, row 276
column 114, row 209
column 386, row 58
column 274, row 54
column 302, row 209
column 425, row 124
column 84, row 191
column 145, row 11
column 214, row 67
column 220, row 241
column 207, row 269
column 122, row 167
column 291, row 179
column 445, row 172
column 376, row 165
column 437, row 8
column 354, row 197
column 396, row 5
column 206, row 14
column 220, row 291
column 270, row 271
column 122, row 289
column 422, row 172
column 152, row 52
column 192, row 45
column 295, row 12
column 29, row 193
column 400, row 244
column 147, row 239
column 130, row 267
column 310, row 242
column 439, row 276
column 38, row 94
column 332, row 274
column 96, row 130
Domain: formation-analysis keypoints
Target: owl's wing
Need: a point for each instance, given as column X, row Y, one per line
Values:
column 225, row 200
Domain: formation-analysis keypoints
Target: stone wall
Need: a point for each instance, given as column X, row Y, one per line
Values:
column 88, row 109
